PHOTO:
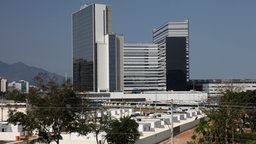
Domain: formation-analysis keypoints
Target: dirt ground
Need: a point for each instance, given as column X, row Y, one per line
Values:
column 181, row 138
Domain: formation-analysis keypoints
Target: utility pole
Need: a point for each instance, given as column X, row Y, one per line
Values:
column 172, row 139
column 155, row 102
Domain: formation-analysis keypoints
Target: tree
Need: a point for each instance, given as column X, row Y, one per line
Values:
column 20, row 118
column 53, row 107
column 93, row 120
column 98, row 124
column 82, row 126
column 123, row 131
column 227, row 122
column 16, row 96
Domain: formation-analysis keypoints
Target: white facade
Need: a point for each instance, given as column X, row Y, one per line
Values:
column 171, row 29
column 101, row 40
column 95, row 50
column 91, row 25
column 11, row 106
column 22, row 86
column 178, row 97
column 3, row 84
column 5, row 127
column 102, row 66
column 141, row 70
column 218, row 89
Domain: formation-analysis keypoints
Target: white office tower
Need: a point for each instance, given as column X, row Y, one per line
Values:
column 116, row 66
column 173, row 41
column 141, row 70
column 92, row 25
column 97, row 52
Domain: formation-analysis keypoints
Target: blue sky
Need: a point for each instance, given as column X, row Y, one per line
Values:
column 222, row 33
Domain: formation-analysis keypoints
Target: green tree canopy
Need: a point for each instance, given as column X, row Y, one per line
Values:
column 123, row 131
column 53, row 108
column 16, row 96
column 232, row 121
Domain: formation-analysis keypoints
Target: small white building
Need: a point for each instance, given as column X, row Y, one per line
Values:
column 5, row 127
column 143, row 127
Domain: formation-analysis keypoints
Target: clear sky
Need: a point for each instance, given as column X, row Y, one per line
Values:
column 222, row 33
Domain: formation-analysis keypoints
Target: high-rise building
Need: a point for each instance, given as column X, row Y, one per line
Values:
column 173, row 41
column 141, row 70
column 92, row 25
column 116, row 66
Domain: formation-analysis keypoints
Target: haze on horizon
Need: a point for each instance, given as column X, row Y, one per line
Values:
column 222, row 33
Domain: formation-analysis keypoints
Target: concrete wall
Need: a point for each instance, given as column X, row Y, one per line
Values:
column 7, row 108
column 7, row 136
column 157, row 138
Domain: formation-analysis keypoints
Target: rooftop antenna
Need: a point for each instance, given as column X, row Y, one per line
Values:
column 83, row 6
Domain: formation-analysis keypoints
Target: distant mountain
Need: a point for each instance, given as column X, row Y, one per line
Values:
column 21, row 71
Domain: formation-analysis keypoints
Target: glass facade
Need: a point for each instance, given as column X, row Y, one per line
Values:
column 91, row 26
column 112, row 63
column 115, row 63
column 173, row 41
column 176, row 68
column 83, row 46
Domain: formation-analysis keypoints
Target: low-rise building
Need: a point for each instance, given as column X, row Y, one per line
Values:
column 182, row 97
column 217, row 87
column 21, row 86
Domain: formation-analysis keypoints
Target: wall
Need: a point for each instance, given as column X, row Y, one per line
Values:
column 157, row 138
